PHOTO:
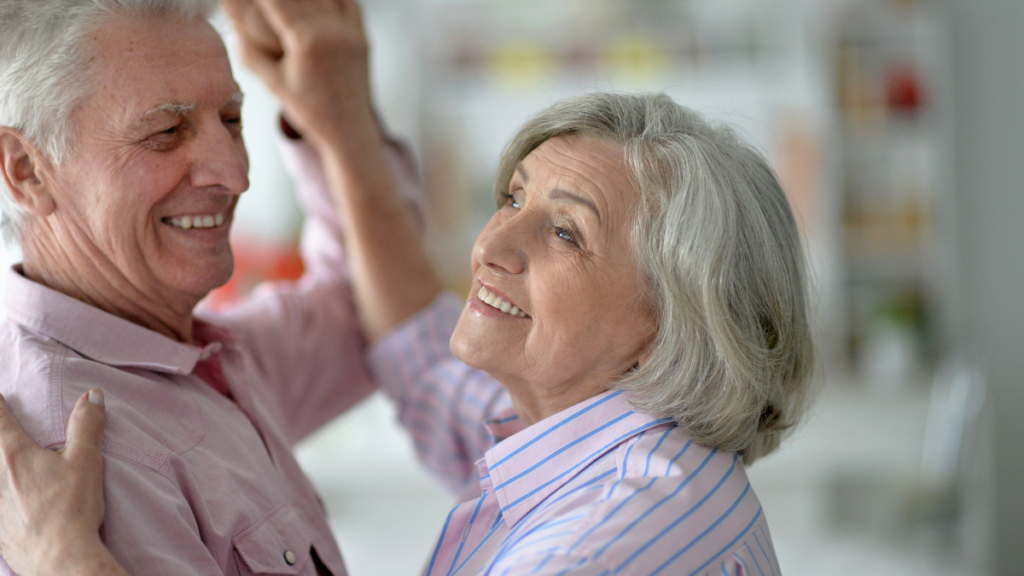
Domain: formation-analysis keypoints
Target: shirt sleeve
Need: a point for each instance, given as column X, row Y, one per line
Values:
column 442, row 402
column 306, row 334
column 149, row 526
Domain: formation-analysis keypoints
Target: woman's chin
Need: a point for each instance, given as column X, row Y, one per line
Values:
column 466, row 350
column 477, row 348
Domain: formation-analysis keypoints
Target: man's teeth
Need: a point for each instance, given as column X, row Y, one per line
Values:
column 207, row 221
column 499, row 303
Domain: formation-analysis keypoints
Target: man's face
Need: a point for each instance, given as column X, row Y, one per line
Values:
column 148, row 192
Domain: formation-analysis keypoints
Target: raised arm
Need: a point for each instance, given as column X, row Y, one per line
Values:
column 319, row 72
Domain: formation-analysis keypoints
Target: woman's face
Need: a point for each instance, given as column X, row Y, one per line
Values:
column 555, row 309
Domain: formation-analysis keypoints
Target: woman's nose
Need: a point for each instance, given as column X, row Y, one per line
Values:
column 502, row 245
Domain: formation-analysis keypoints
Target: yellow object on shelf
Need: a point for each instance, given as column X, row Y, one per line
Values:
column 637, row 59
column 521, row 64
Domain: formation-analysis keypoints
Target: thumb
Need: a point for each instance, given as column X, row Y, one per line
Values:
column 85, row 429
column 12, row 435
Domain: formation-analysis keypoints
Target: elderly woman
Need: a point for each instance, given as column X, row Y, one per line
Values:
column 640, row 294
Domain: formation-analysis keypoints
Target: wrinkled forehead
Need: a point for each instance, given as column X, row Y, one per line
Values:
column 138, row 63
column 592, row 168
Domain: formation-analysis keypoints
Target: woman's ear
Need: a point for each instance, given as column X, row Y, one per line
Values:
column 645, row 356
column 24, row 173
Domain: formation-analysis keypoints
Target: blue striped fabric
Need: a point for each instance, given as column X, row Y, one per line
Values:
column 597, row 489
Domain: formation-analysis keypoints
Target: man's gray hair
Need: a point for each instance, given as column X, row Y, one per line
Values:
column 43, row 74
column 722, row 264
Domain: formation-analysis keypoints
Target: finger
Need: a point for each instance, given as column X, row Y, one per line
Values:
column 249, row 22
column 12, row 435
column 285, row 17
column 281, row 16
column 351, row 8
column 85, row 428
column 262, row 63
column 235, row 9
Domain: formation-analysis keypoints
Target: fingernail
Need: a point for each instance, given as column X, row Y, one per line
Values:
column 96, row 396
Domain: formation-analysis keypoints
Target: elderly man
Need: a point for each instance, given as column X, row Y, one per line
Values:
column 123, row 161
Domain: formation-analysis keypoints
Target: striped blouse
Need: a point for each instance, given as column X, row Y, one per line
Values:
column 597, row 489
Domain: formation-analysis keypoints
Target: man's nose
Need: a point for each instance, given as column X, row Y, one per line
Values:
column 220, row 160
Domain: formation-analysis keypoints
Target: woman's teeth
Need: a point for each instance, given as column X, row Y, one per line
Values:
column 207, row 221
column 499, row 303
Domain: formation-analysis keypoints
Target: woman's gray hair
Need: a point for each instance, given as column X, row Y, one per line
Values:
column 720, row 256
column 43, row 74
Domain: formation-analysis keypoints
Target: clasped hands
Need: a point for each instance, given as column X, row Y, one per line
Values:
column 313, row 55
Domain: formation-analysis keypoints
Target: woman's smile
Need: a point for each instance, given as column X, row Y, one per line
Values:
column 497, row 301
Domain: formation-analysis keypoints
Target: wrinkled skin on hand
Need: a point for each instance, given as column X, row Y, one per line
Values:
column 51, row 503
column 250, row 23
column 313, row 55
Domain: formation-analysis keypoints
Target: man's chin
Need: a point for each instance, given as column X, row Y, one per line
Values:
column 199, row 281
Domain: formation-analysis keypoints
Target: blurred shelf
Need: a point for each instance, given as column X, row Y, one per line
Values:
column 857, row 430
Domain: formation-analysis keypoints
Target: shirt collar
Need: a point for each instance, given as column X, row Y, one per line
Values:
column 532, row 464
column 101, row 336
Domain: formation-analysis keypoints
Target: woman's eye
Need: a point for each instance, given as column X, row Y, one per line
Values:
column 565, row 235
column 509, row 200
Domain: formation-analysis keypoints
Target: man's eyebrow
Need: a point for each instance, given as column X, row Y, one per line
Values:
column 559, row 194
column 176, row 108
column 179, row 108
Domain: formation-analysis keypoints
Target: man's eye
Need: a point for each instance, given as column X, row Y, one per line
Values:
column 170, row 131
column 565, row 235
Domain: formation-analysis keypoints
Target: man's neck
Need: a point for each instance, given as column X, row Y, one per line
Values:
column 94, row 280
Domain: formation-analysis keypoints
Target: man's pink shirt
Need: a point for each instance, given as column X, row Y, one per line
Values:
column 196, row 483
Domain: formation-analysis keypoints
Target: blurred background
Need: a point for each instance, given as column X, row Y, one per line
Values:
column 897, row 129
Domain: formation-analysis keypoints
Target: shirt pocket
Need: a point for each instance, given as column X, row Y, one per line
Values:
column 276, row 544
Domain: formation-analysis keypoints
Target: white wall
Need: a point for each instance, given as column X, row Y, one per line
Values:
column 989, row 76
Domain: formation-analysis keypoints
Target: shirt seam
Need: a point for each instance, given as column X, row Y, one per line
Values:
column 520, row 560
column 60, row 335
column 56, row 390
column 591, row 519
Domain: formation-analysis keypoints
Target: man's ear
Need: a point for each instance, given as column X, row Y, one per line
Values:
column 23, row 168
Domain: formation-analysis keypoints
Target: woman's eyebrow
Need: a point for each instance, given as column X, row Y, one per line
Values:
column 559, row 194
column 522, row 172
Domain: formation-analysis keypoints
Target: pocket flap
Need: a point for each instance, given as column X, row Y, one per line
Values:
column 276, row 544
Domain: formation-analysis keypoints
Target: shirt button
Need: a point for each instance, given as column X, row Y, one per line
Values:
column 289, row 557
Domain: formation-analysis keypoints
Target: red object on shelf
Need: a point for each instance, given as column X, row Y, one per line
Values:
column 256, row 262
column 903, row 89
